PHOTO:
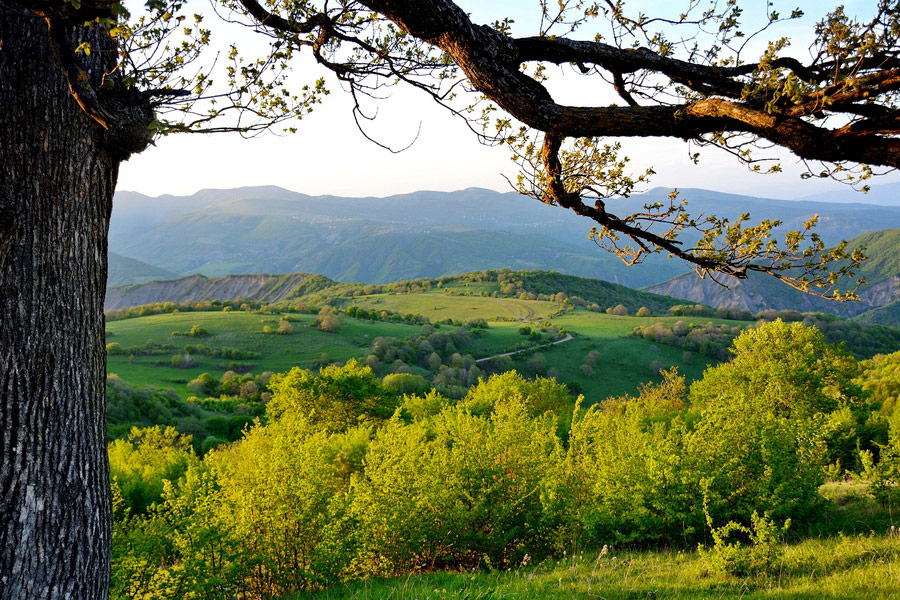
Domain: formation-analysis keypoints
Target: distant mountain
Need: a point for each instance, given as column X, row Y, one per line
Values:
column 885, row 195
column 881, row 270
column 124, row 270
column 423, row 234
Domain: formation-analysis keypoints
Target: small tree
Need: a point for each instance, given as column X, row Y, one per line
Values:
column 285, row 327
column 327, row 320
column 537, row 364
column 619, row 310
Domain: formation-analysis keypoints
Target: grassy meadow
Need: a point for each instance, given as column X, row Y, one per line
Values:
column 242, row 331
column 625, row 362
column 438, row 305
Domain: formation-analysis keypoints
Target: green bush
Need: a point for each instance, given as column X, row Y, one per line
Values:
column 742, row 551
column 406, row 383
column 336, row 398
column 631, row 474
column 140, row 463
column 455, row 490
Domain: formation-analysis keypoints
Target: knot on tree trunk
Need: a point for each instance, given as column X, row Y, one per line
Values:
column 129, row 132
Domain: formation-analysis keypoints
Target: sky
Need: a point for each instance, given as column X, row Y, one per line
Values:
column 328, row 154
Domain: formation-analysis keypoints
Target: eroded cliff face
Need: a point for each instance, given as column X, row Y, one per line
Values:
column 760, row 293
column 269, row 288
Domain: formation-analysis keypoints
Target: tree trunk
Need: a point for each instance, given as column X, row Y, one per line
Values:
column 56, row 189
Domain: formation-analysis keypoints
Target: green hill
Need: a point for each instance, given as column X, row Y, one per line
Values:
column 124, row 270
column 274, row 288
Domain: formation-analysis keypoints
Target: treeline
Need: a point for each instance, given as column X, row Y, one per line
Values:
column 346, row 479
column 864, row 340
column 159, row 308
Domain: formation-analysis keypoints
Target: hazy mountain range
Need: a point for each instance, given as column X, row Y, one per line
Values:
column 422, row 234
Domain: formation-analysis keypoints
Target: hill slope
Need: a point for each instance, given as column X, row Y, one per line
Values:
column 881, row 270
column 275, row 288
column 269, row 288
column 124, row 270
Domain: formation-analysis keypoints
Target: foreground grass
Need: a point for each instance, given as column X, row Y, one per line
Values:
column 863, row 567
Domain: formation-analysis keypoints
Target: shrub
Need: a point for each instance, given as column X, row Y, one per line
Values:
column 327, row 319
column 619, row 310
column 217, row 425
column 210, row 442
column 631, row 476
column 285, row 327
column 455, row 490
column 406, row 383
column 140, row 463
column 537, row 364
column 336, row 398
column 742, row 551
column 183, row 361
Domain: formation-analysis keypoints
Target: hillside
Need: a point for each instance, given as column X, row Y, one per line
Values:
column 889, row 314
column 422, row 234
column 275, row 288
column 124, row 270
column 268, row 288
column 881, row 270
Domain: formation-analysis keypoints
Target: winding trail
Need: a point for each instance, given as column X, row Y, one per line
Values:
column 560, row 341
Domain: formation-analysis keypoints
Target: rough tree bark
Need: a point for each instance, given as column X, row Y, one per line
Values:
column 57, row 180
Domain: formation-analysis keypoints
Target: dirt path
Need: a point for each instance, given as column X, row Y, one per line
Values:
column 565, row 339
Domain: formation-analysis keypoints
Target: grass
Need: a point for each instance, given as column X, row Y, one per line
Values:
column 242, row 331
column 863, row 567
column 855, row 556
column 625, row 362
column 438, row 305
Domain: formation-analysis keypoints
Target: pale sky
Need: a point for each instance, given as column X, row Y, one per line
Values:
column 328, row 155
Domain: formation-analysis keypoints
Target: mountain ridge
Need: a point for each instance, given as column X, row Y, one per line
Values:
column 419, row 234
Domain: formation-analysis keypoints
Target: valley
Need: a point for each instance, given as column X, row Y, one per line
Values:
column 418, row 328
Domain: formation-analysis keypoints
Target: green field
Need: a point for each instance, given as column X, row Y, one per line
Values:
column 438, row 305
column 625, row 362
column 242, row 331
